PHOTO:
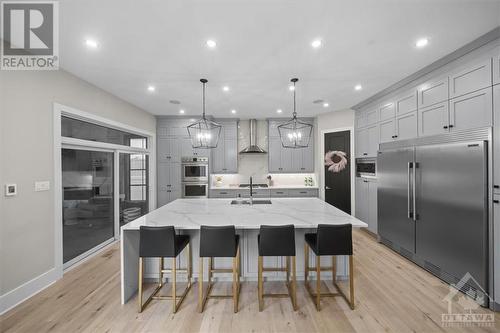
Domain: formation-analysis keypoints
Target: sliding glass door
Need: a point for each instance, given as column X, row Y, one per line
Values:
column 134, row 186
column 88, row 201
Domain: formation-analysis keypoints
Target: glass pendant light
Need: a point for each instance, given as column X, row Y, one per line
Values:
column 295, row 133
column 204, row 133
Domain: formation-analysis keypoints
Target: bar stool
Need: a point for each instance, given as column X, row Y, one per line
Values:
column 277, row 241
column 162, row 242
column 219, row 242
column 330, row 240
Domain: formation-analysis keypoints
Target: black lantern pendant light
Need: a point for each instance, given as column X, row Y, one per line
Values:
column 295, row 133
column 204, row 133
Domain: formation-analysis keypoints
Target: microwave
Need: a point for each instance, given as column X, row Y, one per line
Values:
column 194, row 169
column 366, row 167
column 195, row 190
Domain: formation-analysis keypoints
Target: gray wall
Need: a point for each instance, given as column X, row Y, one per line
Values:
column 27, row 155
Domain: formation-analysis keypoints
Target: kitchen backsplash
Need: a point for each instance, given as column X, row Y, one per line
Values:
column 277, row 180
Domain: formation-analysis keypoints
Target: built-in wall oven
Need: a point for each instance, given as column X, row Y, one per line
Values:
column 194, row 169
column 366, row 167
column 194, row 177
column 194, row 190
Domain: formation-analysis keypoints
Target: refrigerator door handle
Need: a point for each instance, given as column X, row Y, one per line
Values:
column 410, row 166
column 414, row 188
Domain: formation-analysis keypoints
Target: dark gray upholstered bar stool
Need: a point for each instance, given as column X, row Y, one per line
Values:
column 162, row 242
column 219, row 242
column 330, row 240
column 277, row 241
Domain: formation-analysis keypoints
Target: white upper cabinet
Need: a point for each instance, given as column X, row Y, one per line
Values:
column 387, row 111
column 472, row 110
column 433, row 119
column 473, row 77
column 433, row 92
column 360, row 119
column 406, row 103
column 371, row 116
column 406, row 126
column 496, row 66
column 496, row 138
column 387, row 130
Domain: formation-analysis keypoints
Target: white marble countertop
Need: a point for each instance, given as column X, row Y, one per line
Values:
column 279, row 187
column 192, row 213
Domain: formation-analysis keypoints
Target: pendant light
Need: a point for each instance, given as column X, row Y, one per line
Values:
column 204, row 133
column 295, row 133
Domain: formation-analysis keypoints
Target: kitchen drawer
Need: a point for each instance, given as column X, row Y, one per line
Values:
column 276, row 193
column 472, row 78
column 223, row 193
column 303, row 192
column 387, row 111
column 433, row 92
column 472, row 110
column 256, row 193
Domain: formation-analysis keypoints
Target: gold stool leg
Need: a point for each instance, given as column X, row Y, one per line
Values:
column 318, row 283
column 141, row 268
column 351, row 281
column 294, row 283
column 190, row 264
column 160, row 274
column 200, row 286
column 174, row 277
column 287, row 263
column 260, row 287
column 235, row 285
column 334, row 269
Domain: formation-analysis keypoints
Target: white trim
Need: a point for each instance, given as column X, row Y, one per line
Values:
column 103, row 145
column 321, row 149
column 87, row 254
column 92, row 118
column 27, row 290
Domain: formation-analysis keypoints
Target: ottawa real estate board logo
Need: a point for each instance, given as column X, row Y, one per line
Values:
column 29, row 35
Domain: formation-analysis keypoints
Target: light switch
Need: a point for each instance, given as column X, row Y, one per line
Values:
column 10, row 190
column 42, row 186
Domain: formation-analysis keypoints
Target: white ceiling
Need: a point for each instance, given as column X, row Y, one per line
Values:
column 261, row 44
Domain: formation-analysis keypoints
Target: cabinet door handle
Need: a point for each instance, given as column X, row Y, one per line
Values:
column 365, row 154
column 445, row 127
column 328, row 188
column 303, row 192
column 496, row 186
column 222, row 192
column 451, row 126
column 169, row 185
column 365, row 181
column 279, row 192
column 302, row 168
column 496, row 201
column 395, row 136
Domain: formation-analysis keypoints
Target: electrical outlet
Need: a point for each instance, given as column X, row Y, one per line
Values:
column 42, row 186
column 10, row 190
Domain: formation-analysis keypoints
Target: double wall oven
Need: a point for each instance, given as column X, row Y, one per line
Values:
column 194, row 177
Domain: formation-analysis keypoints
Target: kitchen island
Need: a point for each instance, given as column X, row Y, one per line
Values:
column 187, row 216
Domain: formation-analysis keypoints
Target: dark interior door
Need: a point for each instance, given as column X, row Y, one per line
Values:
column 338, row 176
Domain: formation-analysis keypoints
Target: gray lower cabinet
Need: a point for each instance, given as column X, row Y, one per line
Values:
column 496, row 139
column 366, row 202
column 283, row 160
column 264, row 193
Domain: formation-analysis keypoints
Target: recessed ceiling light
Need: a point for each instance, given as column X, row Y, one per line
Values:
column 174, row 101
column 211, row 43
column 279, row 111
column 225, row 88
column 316, row 43
column 181, row 111
column 291, row 88
column 422, row 42
column 151, row 88
column 91, row 43
column 233, row 111
column 325, row 105
column 358, row 87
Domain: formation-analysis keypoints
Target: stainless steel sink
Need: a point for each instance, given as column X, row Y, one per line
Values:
column 247, row 202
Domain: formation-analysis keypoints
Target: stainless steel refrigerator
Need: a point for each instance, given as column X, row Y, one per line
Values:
column 432, row 209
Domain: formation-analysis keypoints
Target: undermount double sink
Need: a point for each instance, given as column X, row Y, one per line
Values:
column 254, row 202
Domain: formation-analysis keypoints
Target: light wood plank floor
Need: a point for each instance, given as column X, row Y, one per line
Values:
column 392, row 295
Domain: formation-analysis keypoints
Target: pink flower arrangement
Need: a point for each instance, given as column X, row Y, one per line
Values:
column 336, row 161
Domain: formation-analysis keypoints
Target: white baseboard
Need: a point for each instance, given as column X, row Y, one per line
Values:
column 27, row 290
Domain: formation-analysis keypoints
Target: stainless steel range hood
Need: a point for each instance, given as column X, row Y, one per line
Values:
column 253, row 148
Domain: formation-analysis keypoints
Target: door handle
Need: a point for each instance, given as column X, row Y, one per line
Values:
column 410, row 166
column 414, row 187
column 328, row 188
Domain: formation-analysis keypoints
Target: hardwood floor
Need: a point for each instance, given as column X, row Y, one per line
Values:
column 392, row 295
